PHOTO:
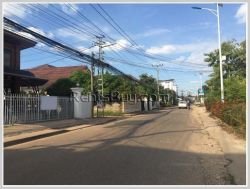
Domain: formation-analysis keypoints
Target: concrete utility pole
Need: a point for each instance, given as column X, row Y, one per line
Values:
column 92, row 85
column 101, row 44
column 201, row 80
column 157, row 66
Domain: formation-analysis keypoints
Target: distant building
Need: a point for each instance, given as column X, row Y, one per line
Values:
column 169, row 84
column 14, row 77
column 53, row 73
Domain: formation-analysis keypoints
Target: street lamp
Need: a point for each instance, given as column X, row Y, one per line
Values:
column 217, row 14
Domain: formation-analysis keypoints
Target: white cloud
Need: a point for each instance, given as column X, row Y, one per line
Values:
column 120, row 44
column 69, row 9
column 117, row 46
column 40, row 31
column 241, row 14
column 151, row 32
column 180, row 59
column 88, row 50
column 155, row 32
column 194, row 52
column 68, row 33
column 15, row 9
column 165, row 49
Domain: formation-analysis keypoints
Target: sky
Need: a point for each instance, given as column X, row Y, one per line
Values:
column 175, row 35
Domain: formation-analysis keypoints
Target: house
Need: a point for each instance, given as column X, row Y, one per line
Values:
column 169, row 84
column 53, row 73
column 14, row 77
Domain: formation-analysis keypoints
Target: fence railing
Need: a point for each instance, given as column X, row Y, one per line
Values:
column 19, row 108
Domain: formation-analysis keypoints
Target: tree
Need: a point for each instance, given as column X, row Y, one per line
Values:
column 234, row 76
column 235, row 63
column 82, row 79
column 61, row 87
column 148, row 85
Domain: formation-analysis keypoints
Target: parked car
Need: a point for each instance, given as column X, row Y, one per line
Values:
column 182, row 104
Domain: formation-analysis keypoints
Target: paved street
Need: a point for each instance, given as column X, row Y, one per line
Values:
column 162, row 147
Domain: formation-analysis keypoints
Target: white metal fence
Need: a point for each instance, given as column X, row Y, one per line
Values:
column 19, row 108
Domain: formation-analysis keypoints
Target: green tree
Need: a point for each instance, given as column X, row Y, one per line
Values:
column 82, row 79
column 61, row 87
column 234, row 74
column 148, row 84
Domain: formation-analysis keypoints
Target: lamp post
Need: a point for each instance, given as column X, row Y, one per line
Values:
column 217, row 14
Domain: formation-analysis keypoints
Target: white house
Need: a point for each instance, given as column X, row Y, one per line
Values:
column 169, row 84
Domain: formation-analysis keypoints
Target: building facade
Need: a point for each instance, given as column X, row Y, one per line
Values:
column 169, row 84
column 14, row 77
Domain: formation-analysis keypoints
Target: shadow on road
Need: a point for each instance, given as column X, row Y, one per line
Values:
column 120, row 159
column 130, row 164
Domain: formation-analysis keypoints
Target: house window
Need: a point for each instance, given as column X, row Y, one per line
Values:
column 7, row 58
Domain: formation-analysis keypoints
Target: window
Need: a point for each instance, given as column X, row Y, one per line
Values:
column 7, row 58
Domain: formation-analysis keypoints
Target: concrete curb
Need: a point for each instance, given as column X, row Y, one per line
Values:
column 31, row 138
column 37, row 136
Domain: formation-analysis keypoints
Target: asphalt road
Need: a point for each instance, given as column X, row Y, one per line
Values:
column 148, row 149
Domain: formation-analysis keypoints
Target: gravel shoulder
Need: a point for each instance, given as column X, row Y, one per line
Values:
column 230, row 150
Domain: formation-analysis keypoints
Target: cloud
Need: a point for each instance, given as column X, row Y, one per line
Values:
column 15, row 9
column 87, row 50
column 191, row 52
column 120, row 44
column 180, row 59
column 69, row 9
column 67, row 32
column 241, row 14
column 165, row 49
column 151, row 32
column 155, row 32
column 40, row 31
column 117, row 46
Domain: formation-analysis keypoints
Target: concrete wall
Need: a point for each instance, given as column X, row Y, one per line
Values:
column 128, row 107
column 114, row 107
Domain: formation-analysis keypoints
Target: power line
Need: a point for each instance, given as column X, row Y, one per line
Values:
column 10, row 24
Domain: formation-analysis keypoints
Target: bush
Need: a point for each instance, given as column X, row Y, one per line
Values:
column 231, row 112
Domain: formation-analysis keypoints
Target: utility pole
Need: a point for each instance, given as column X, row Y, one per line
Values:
column 201, row 80
column 101, row 44
column 157, row 66
column 92, row 85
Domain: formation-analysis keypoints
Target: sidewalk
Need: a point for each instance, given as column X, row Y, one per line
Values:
column 234, row 149
column 20, row 133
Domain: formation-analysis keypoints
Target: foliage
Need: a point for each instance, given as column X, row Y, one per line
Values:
column 61, row 87
column 82, row 79
column 233, row 110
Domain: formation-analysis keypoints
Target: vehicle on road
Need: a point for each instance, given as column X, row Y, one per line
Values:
column 182, row 104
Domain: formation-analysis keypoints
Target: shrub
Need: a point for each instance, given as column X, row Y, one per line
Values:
column 231, row 112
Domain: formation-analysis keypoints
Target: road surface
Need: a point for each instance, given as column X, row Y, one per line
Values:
column 167, row 147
